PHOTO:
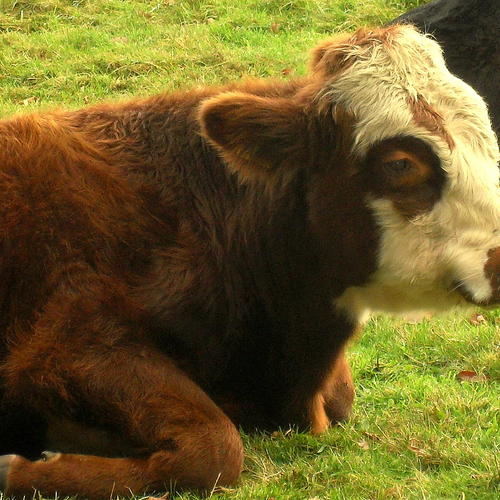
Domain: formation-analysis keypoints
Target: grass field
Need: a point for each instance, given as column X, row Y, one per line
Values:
column 418, row 430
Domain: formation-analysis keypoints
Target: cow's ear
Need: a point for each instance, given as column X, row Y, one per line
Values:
column 334, row 54
column 259, row 137
column 327, row 56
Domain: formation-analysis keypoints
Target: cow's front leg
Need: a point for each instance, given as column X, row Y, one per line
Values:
column 338, row 391
column 317, row 380
column 333, row 401
column 179, row 437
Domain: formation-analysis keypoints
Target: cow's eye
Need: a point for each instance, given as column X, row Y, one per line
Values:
column 396, row 168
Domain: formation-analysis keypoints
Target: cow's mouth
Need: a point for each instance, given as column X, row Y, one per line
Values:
column 491, row 272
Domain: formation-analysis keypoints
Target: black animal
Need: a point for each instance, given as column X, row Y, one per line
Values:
column 469, row 33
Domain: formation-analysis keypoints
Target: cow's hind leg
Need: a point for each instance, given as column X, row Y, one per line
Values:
column 180, row 438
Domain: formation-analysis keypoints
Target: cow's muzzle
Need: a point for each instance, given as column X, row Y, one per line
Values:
column 492, row 273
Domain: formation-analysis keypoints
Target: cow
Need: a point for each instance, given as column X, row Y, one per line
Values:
column 177, row 266
column 467, row 30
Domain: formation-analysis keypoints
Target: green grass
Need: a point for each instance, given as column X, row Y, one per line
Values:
column 62, row 52
column 417, row 432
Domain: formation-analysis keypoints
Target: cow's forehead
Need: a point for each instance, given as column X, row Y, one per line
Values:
column 399, row 85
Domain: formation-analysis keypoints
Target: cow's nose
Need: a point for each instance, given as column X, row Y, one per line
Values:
column 492, row 273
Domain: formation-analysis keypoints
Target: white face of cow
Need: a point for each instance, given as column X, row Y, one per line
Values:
column 388, row 89
column 424, row 179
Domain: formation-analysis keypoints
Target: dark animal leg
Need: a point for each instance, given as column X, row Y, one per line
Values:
column 333, row 402
column 338, row 392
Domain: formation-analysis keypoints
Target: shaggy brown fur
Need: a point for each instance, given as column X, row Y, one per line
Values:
column 167, row 274
column 141, row 281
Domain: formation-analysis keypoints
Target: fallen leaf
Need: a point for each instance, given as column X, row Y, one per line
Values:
column 478, row 319
column 163, row 497
column 480, row 476
column 372, row 437
column 30, row 100
column 363, row 444
column 416, row 447
column 471, row 376
column 120, row 39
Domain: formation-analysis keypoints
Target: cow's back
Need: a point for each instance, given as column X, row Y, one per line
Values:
column 64, row 206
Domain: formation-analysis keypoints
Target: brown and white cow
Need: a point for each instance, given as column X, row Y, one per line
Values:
column 170, row 261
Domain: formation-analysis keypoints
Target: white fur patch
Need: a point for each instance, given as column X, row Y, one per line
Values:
column 421, row 261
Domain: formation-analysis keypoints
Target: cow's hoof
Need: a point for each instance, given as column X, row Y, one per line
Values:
column 5, row 465
column 48, row 455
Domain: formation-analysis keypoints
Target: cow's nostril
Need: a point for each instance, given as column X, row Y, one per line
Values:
column 492, row 266
column 492, row 273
